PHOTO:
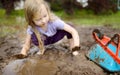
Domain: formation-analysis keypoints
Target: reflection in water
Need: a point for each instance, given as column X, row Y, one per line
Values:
column 30, row 67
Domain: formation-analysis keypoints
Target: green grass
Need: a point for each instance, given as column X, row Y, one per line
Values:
column 15, row 22
column 87, row 18
column 12, row 19
column 11, row 24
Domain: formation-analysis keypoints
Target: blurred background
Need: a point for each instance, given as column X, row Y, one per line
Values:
column 94, row 13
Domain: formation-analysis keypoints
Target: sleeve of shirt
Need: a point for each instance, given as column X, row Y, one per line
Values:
column 29, row 30
column 59, row 24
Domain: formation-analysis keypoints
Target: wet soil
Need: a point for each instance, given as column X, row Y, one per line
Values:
column 56, row 61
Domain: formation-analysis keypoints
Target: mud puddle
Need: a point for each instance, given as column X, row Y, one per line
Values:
column 30, row 67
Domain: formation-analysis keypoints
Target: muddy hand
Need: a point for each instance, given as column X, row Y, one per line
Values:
column 76, row 48
column 19, row 56
column 75, row 51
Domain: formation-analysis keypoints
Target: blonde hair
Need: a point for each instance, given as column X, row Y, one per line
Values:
column 31, row 7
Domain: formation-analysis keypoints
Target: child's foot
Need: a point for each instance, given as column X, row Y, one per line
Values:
column 41, row 52
column 19, row 56
column 38, row 53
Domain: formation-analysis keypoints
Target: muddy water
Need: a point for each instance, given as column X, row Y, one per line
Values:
column 30, row 67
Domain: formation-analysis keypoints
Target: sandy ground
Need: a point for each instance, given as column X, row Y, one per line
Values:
column 56, row 61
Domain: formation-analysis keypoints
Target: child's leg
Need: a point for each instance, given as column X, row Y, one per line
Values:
column 50, row 40
column 34, row 39
column 57, row 37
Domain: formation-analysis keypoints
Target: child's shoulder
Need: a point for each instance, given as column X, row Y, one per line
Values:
column 29, row 30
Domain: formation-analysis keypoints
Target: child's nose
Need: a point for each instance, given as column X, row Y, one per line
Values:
column 43, row 21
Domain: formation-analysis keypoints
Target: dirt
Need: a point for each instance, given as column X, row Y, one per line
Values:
column 56, row 61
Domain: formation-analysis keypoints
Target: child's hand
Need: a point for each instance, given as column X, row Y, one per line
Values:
column 19, row 56
column 75, row 53
column 75, row 50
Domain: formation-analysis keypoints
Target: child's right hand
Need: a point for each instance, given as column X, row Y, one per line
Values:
column 19, row 56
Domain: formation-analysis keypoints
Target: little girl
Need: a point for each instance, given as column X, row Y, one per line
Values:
column 45, row 28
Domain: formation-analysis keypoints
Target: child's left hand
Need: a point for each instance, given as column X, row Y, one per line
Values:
column 75, row 50
column 75, row 53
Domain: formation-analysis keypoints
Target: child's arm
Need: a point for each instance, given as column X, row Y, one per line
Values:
column 74, row 33
column 27, row 44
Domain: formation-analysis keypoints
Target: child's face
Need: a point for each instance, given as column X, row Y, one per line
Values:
column 41, row 18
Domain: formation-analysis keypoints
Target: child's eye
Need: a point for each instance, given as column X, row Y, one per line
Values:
column 38, row 19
